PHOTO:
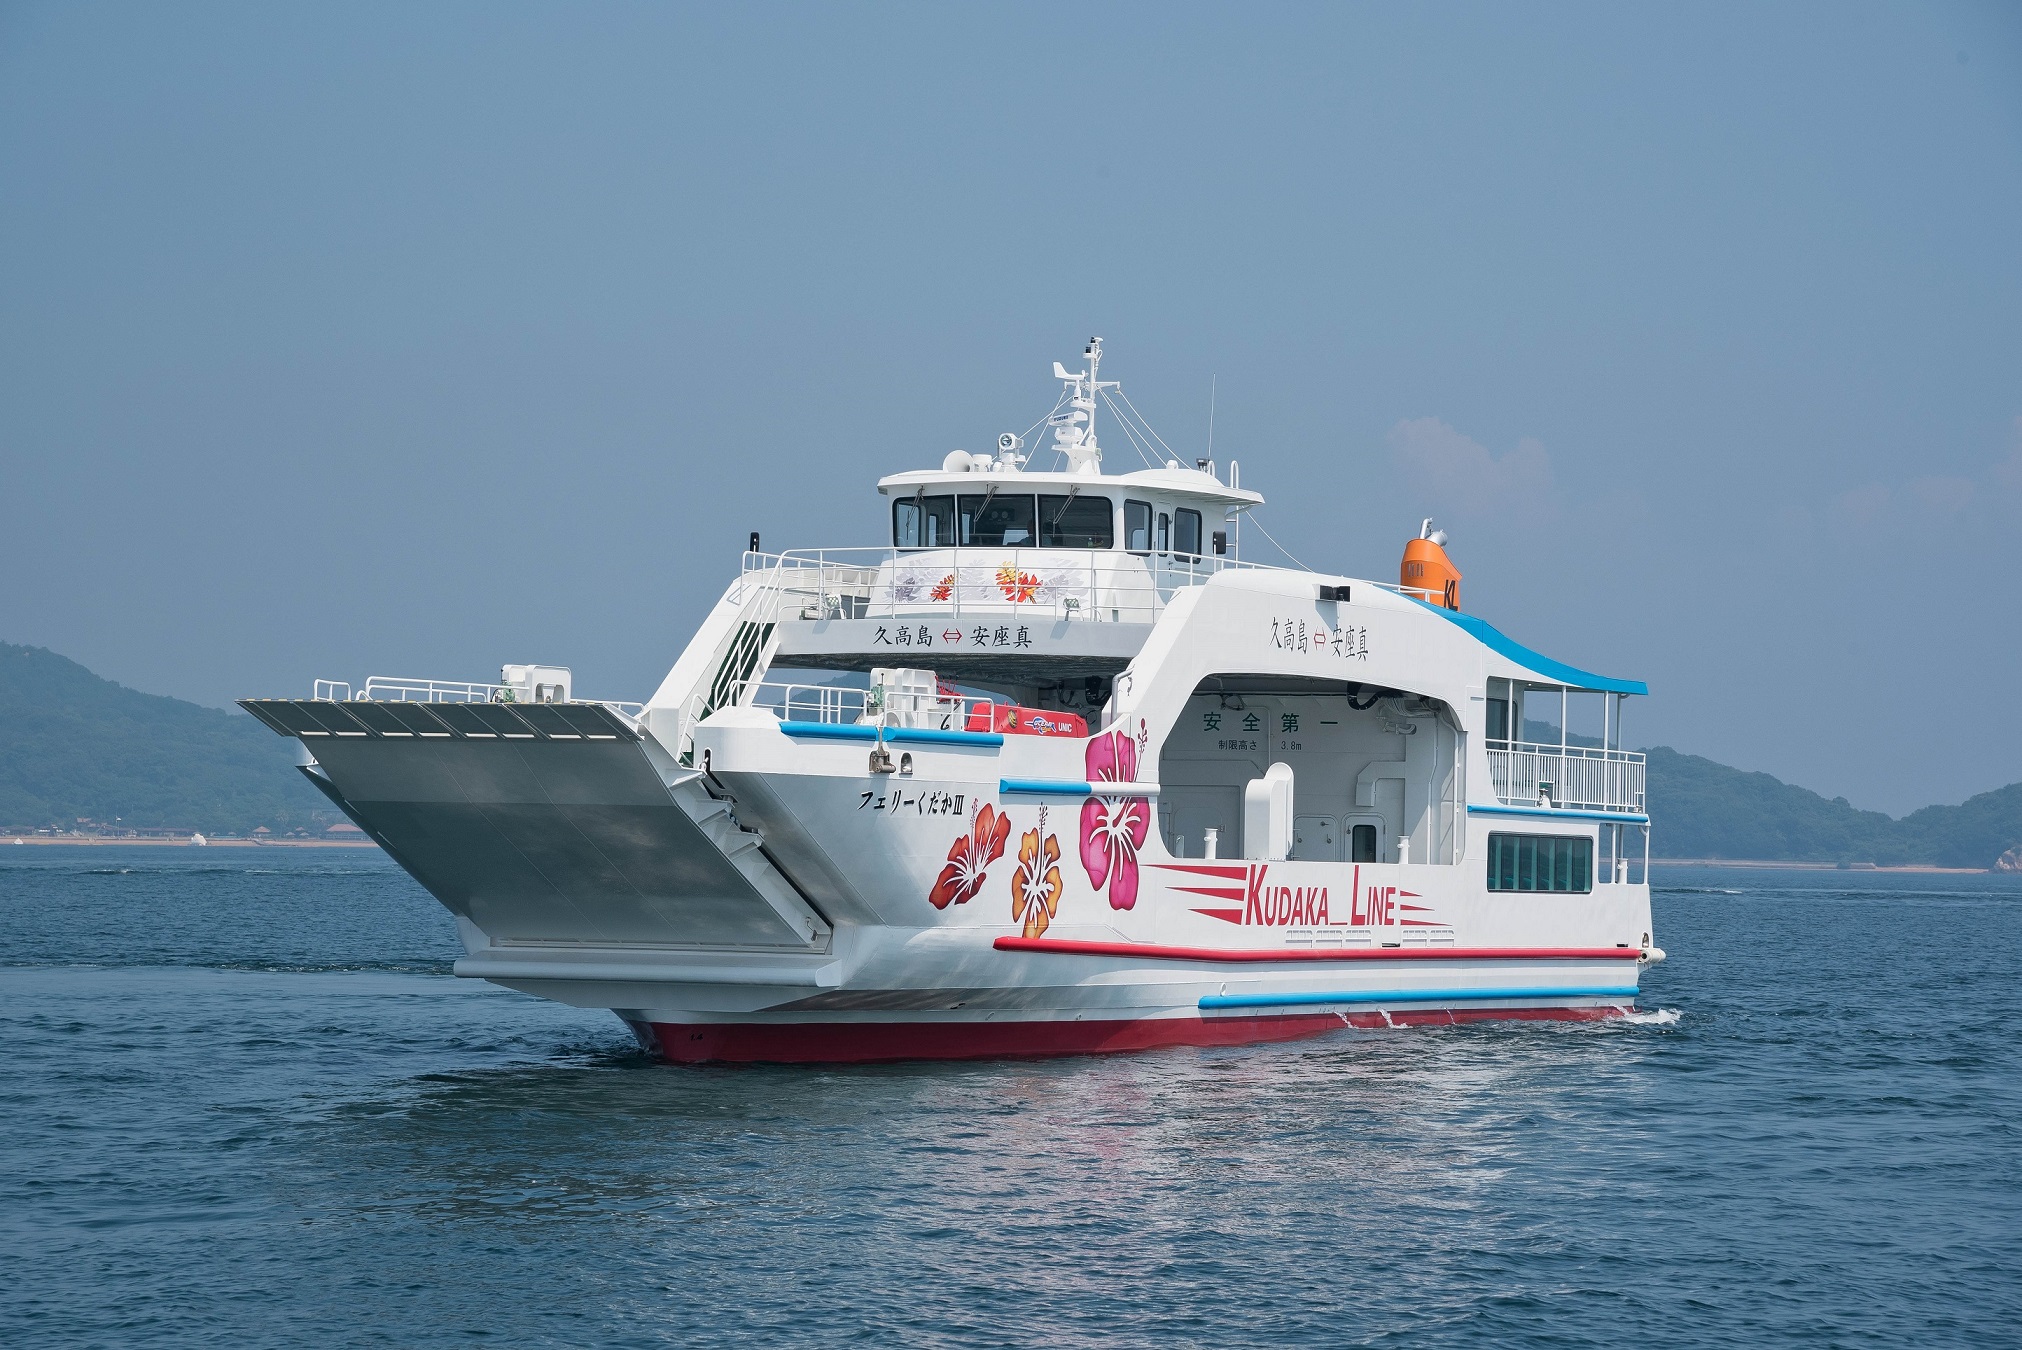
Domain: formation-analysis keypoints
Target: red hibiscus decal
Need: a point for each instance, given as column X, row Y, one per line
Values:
column 964, row 874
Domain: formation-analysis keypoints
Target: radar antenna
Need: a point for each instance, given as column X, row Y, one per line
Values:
column 1074, row 428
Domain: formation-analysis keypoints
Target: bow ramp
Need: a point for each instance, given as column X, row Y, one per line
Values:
column 558, row 834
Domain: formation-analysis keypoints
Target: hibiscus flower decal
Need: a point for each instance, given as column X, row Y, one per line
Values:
column 1113, row 828
column 1018, row 587
column 1036, row 885
column 943, row 588
column 963, row 874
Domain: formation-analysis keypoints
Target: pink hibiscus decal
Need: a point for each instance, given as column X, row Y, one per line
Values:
column 1113, row 829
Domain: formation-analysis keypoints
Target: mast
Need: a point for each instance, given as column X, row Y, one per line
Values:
column 1074, row 430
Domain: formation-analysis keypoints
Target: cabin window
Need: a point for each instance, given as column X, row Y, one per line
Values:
column 1187, row 533
column 1164, row 533
column 1537, row 862
column 1003, row 519
column 923, row 522
column 1137, row 526
column 1077, row 522
column 1362, row 844
column 1498, row 710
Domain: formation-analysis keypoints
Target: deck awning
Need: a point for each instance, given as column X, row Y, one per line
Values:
column 1556, row 671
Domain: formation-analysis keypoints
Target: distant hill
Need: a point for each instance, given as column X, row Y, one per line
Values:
column 1700, row 809
column 73, row 745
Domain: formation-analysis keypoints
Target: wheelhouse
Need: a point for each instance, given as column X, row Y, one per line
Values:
column 1176, row 518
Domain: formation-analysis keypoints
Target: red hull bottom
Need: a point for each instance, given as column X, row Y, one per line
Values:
column 868, row 1042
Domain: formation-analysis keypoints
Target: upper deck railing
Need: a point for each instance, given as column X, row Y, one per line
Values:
column 1089, row 585
column 1571, row 777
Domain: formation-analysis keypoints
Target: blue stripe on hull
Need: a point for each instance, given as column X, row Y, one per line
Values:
column 1619, row 817
column 834, row 731
column 1380, row 996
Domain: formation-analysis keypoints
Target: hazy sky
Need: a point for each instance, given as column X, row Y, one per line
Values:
column 410, row 339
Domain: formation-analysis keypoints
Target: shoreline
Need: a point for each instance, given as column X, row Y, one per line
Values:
column 1760, row 863
column 7, row 839
column 1814, row 866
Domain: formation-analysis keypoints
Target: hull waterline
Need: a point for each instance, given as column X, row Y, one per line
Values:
column 880, row 1042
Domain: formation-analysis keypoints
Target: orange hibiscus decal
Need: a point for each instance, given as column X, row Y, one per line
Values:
column 963, row 875
column 1036, row 885
column 1018, row 587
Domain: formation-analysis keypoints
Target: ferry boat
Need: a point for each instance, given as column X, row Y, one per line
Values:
column 1054, row 770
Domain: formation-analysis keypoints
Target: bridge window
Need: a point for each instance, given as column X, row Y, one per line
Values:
column 1536, row 862
column 995, row 520
column 1077, row 522
column 923, row 522
column 1137, row 526
column 1186, row 534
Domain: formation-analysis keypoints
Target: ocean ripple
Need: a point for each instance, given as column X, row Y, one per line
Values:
column 247, row 1107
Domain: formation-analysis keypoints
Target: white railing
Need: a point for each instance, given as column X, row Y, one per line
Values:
column 990, row 583
column 399, row 689
column 1573, row 777
column 806, row 702
column 840, row 704
column 1089, row 585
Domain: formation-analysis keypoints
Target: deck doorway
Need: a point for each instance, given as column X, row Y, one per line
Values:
column 1371, row 766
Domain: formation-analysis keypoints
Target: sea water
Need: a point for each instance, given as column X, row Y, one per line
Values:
column 245, row 1103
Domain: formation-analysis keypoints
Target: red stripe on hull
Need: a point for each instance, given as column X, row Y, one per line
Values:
column 1153, row 952
column 868, row 1042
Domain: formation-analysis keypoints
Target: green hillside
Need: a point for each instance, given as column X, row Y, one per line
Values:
column 75, row 746
column 1700, row 809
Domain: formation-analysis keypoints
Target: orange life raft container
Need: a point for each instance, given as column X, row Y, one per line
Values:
column 1427, row 573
